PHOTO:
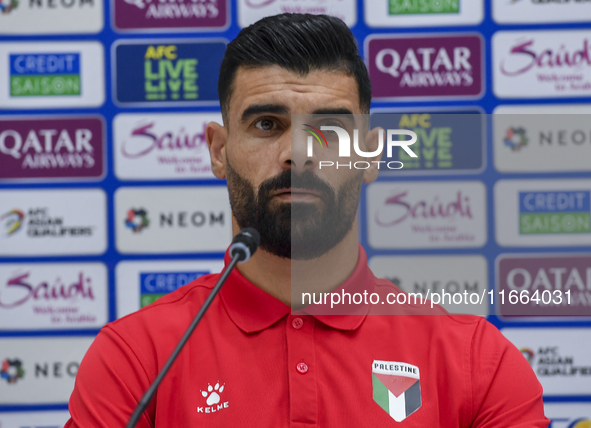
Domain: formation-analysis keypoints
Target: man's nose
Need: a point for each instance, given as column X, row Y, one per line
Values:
column 295, row 152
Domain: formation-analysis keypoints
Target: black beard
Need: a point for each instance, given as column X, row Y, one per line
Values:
column 298, row 231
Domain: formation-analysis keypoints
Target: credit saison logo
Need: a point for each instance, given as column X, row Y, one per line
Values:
column 40, row 224
column 7, row 5
column 12, row 370
column 344, row 147
column 154, row 285
column 44, row 74
column 419, row 7
column 537, row 2
column 554, row 212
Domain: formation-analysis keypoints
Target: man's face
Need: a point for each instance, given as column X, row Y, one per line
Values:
column 300, row 211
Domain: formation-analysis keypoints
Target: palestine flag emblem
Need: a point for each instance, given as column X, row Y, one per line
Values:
column 396, row 388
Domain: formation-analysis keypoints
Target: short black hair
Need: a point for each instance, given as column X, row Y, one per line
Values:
column 300, row 43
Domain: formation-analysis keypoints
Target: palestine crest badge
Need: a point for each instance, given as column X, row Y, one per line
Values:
column 396, row 388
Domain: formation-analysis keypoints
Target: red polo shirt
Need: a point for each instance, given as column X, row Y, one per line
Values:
column 251, row 363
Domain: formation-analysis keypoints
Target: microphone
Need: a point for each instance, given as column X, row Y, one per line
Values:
column 243, row 246
column 245, row 243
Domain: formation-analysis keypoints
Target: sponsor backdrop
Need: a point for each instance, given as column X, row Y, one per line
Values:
column 108, row 202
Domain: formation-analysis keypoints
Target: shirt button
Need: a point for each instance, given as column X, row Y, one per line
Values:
column 297, row 323
column 302, row 368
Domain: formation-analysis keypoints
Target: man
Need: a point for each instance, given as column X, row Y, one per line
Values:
column 252, row 362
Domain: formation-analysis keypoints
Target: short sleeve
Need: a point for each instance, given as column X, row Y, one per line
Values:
column 110, row 382
column 505, row 390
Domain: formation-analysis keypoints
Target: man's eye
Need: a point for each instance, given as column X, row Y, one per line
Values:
column 265, row 124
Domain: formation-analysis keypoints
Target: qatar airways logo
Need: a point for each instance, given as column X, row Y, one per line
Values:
column 398, row 208
column 434, row 66
column 344, row 147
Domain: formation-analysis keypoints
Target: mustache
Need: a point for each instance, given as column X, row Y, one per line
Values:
column 306, row 180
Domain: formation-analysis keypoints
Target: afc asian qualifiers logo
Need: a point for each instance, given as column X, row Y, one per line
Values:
column 396, row 388
column 13, row 220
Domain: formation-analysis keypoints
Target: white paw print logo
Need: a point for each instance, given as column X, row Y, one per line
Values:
column 214, row 393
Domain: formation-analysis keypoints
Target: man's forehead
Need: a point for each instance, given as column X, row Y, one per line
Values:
column 295, row 93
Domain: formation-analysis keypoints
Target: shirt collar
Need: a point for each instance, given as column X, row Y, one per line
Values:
column 253, row 310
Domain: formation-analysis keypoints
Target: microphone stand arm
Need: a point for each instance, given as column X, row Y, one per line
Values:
column 143, row 404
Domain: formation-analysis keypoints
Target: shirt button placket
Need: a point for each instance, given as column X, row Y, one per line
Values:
column 302, row 371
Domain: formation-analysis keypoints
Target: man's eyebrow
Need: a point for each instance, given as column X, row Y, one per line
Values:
column 333, row 111
column 255, row 109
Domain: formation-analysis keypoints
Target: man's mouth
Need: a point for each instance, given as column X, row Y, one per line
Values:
column 296, row 195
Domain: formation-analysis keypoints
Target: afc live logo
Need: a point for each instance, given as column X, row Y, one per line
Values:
column 344, row 146
column 177, row 72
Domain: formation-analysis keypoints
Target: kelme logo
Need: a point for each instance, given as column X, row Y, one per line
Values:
column 44, row 74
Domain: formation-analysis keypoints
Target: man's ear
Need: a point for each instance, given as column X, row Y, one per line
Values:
column 217, row 137
column 372, row 142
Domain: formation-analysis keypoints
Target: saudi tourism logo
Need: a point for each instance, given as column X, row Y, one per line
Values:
column 516, row 138
column 13, row 220
column 12, row 370
column 396, row 388
column 137, row 220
